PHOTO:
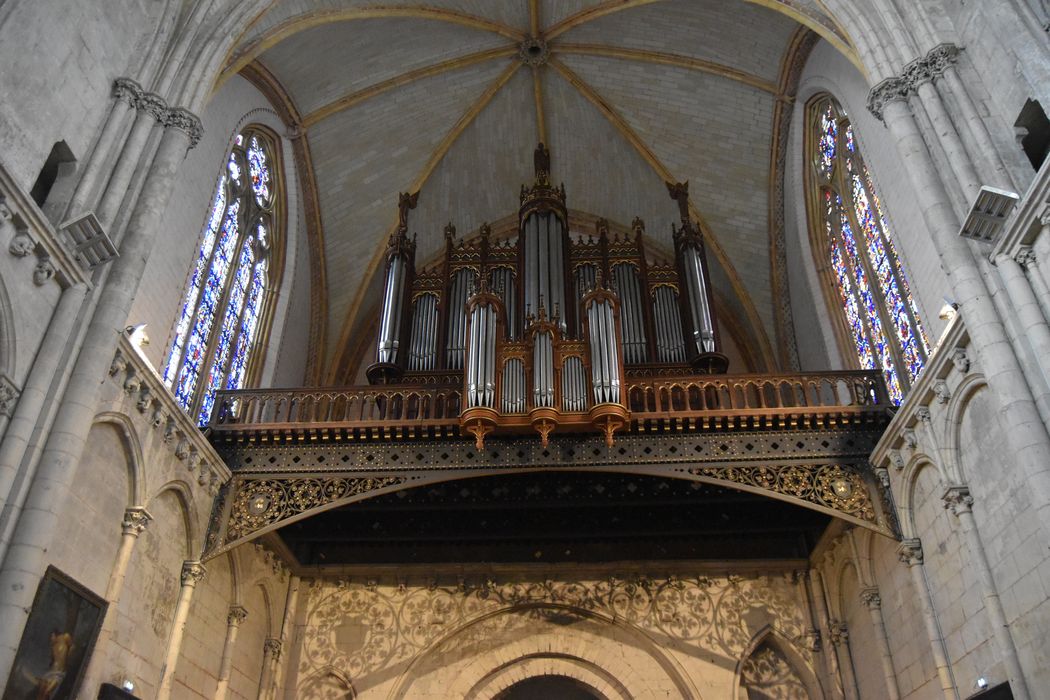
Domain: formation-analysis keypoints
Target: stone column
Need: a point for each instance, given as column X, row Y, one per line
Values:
column 918, row 75
column 151, row 109
column 910, row 554
column 1028, row 260
column 1029, row 315
column 838, row 637
column 136, row 519
column 192, row 574
column 1028, row 435
column 958, row 500
column 830, row 650
column 236, row 616
column 271, row 655
column 873, row 602
column 290, row 603
column 40, row 521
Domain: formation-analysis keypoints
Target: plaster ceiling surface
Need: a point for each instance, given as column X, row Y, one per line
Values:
column 400, row 96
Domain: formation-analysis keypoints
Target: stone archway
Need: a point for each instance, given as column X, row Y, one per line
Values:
column 549, row 686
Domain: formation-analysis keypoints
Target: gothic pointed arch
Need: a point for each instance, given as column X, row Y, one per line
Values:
column 227, row 305
column 771, row 668
column 862, row 273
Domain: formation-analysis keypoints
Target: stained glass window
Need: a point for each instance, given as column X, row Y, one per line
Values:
column 881, row 317
column 218, row 321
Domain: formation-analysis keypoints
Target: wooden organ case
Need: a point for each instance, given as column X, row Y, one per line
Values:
column 543, row 329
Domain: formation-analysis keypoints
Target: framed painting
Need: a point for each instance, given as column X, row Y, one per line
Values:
column 57, row 642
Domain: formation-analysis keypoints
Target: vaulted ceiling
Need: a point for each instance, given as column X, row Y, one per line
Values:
column 441, row 96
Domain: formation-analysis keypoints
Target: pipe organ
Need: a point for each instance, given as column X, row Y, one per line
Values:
column 542, row 329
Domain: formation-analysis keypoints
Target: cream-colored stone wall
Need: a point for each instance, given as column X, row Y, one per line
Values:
column 641, row 636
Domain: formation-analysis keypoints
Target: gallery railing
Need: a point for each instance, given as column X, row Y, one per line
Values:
column 759, row 400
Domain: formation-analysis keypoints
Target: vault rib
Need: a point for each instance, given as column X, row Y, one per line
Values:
column 621, row 125
column 454, row 133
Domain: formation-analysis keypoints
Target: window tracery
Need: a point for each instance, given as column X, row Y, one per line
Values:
column 222, row 309
column 854, row 242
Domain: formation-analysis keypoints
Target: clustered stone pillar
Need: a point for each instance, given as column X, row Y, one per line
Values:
column 1029, row 314
column 41, row 519
column 192, row 574
column 234, row 618
column 830, row 650
column 873, row 602
column 910, row 554
column 838, row 637
column 958, row 500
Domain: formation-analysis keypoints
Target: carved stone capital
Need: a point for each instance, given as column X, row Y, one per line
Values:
column 837, row 632
column 958, row 500
column 153, row 105
column 192, row 573
column 1026, row 258
column 44, row 271
column 185, row 121
column 889, row 90
column 883, row 475
column 813, row 642
column 272, row 648
column 870, row 597
column 916, row 73
column 961, row 360
column 135, row 521
column 128, row 91
column 236, row 615
column 1044, row 218
column 910, row 551
column 923, row 414
column 9, row 394
column 941, row 57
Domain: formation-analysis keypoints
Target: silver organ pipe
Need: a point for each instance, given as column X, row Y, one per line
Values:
column 513, row 390
column 423, row 348
column 573, row 385
column 481, row 356
column 585, row 277
column 670, row 346
column 501, row 281
column 632, row 320
column 462, row 284
column 545, row 264
column 696, row 286
column 605, row 362
column 543, row 370
column 390, row 320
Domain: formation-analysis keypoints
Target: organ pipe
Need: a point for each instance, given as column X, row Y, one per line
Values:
column 400, row 260
column 670, row 346
column 423, row 348
column 462, row 284
column 513, row 389
column 625, row 282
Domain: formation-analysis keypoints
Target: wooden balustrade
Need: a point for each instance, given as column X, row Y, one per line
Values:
column 431, row 408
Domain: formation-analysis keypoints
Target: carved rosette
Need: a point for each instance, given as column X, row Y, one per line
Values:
column 258, row 503
column 832, row 486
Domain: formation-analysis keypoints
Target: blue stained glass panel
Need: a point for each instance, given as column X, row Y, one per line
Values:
column 189, row 303
column 211, row 294
column 249, row 323
column 259, row 170
column 232, row 315
column 829, row 134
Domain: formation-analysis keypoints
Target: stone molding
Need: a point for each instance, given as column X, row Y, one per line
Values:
column 132, row 93
column 192, row 573
column 135, row 521
column 922, row 70
column 25, row 231
column 9, row 394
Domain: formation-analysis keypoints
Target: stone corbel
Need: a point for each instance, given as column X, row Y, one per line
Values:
column 941, row 390
column 145, row 400
column 22, row 244
column 897, row 459
column 909, row 438
column 961, row 360
column 44, row 271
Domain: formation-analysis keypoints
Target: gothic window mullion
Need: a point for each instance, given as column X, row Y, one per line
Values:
column 851, row 292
